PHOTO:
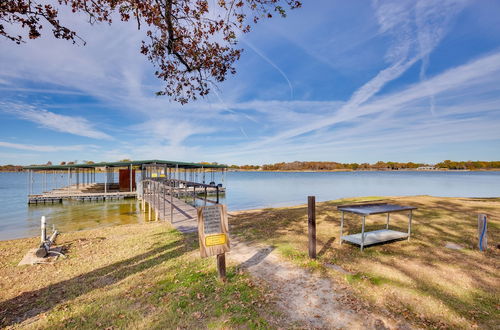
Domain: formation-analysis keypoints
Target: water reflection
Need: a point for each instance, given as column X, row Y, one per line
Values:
column 70, row 216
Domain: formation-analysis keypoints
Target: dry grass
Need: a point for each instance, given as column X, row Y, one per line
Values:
column 131, row 276
column 421, row 280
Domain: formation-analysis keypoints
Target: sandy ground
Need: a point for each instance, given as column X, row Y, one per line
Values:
column 304, row 296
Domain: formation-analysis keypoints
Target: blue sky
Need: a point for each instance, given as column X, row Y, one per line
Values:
column 347, row 81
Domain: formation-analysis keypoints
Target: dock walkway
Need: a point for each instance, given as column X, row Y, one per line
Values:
column 180, row 214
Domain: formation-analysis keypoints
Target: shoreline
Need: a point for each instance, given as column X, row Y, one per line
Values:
column 268, row 208
column 350, row 170
column 336, row 170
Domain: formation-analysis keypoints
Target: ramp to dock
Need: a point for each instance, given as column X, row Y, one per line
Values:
column 163, row 198
column 180, row 214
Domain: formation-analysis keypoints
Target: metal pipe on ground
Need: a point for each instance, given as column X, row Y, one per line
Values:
column 44, row 248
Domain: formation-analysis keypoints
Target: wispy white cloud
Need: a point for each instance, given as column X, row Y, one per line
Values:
column 39, row 90
column 471, row 89
column 428, row 39
column 61, row 123
column 174, row 132
column 44, row 148
column 394, row 19
column 268, row 60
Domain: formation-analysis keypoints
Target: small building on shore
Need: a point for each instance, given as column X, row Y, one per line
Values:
column 427, row 168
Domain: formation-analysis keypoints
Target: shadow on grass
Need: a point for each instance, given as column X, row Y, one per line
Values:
column 473, row 307
column 435, row 222
column 326, row 246
column 30, row 304
column 257, row 258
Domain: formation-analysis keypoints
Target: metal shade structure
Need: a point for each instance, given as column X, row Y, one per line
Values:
column 167, row 163
column 57, row 182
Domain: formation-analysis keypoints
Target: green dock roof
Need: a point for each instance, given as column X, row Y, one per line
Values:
column 168, row 163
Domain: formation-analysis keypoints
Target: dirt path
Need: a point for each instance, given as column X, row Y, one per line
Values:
column 305, row 296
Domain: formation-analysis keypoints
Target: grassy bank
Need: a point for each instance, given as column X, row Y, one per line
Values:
column 421, row 280
column 134, row 276
column 150, row 276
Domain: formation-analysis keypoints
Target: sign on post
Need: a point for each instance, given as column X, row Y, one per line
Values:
column 213, row 230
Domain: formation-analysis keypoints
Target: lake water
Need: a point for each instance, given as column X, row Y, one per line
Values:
column 245, row 190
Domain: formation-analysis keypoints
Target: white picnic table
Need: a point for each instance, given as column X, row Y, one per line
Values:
column 376, row 236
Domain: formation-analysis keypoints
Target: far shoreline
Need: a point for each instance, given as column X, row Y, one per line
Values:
column 350, row 170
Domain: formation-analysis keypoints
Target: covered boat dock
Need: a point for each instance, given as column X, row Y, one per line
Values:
column 118, row 180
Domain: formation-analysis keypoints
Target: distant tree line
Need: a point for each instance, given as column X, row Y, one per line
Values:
column 245, row 167
column 332, row 166
column 10, row 168
column 380, row 165
column 468, row 165
column 324, row 166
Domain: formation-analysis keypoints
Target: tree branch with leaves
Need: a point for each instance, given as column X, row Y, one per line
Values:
column 192, row 43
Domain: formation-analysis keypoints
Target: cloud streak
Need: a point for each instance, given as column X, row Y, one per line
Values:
column 44, row 148
column 407, row 119
column 61, row 123
column 393, row 18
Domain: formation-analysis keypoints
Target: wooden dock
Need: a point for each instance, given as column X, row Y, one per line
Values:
column 81, row 192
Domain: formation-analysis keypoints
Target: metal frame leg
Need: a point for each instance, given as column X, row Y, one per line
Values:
column 388, row 217
column 341, row 227
column 363, row 233
column 172, row 183
column 409, row 224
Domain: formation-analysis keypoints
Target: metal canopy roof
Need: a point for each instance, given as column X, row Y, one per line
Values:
column 168, row 163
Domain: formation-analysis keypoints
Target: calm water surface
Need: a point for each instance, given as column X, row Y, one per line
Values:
column 246, row 190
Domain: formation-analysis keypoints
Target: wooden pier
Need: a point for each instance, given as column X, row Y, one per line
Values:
column 84, row 192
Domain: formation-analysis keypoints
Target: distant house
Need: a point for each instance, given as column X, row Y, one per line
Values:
column 427, row 168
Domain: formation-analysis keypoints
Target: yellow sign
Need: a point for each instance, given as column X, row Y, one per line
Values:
column 154, row 175
column 218, row 239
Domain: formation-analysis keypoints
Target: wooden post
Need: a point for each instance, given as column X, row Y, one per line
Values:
column 482, row 230
column 221, row 266
column 311, row 222
column 149, row 211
